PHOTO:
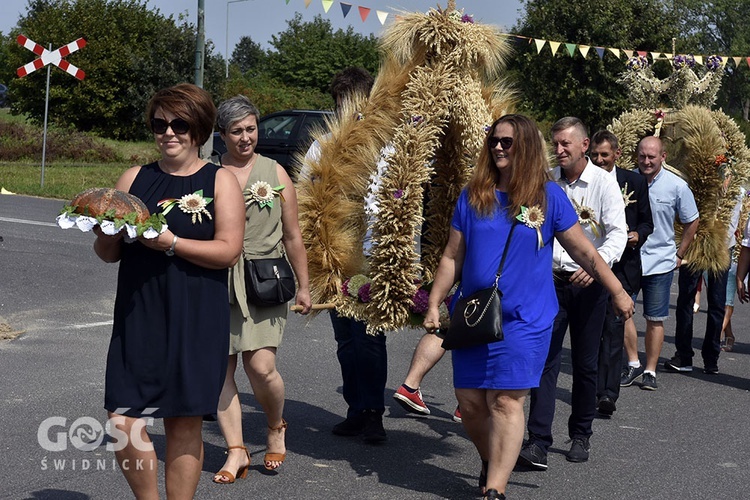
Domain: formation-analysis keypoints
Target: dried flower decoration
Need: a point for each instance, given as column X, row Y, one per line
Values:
column 533, row 217
column 487, row 129
column 194, row 204
column 466, row 18
column 680, row 61
column 713, row 62
column 638, row 63
column 262, row 193
column 586, row 217
column 398, row 194
column 359, row 117
column 417, row 119
column 626, row 196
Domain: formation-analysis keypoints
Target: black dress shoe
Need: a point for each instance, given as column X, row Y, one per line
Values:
column 493, row 494
column 373, row 432
column 352, row 426
column 606, row 406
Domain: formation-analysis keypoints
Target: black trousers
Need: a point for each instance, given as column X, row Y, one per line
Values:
column 583, row 310
column 610, row 355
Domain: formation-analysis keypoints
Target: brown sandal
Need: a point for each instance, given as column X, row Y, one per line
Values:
column 241, row 472
column 275, row 457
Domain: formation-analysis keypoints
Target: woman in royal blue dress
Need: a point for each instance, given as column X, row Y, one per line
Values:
column 168, row 354
column 510, row 184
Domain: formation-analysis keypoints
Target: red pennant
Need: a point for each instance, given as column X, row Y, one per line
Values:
column 364, row 12
column 642, row 53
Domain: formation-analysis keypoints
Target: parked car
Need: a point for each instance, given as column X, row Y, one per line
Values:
column 282, row 134
column 3, row 95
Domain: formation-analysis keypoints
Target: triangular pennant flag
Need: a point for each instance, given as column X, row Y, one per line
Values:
column 307, row 3
column 642, row 53
column 628, row 53
column 364, row 12
column 748, row 60
column 287, row 2
column 616, row 52
column 382, row 16
column 539, row 44
column 326, row 5
column 571, row 48
column 584, row 50
column 600, row 52
column 699, row 60
column 668, row 57
column 724, row 61
column 737, row 61
column 554, row 46
column 345, row 8
column 655, row 55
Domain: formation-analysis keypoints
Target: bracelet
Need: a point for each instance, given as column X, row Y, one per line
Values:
column 170, row 252
column 680, row 257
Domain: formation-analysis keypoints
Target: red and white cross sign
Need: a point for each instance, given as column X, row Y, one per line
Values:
column 50, row 57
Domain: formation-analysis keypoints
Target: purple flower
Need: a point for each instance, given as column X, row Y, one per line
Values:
column 466, row 18
column 637, row 63
column 345, row 287
column 713, row 63
column 420, row 300
column 398, row 194
column 681, row 61
column 359, row 116
column 487, row 129
column 364, row 293
column 416, row 120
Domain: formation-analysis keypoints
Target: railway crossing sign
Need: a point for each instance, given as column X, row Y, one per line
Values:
column 56, row 57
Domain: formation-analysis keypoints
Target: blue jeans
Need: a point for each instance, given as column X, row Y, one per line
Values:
column 655, row 290
column 364, row 365
column 716, row 294
column 583, row 309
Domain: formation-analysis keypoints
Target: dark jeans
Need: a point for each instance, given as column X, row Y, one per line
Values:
column 610, row 355
column 364, row 365
column 716, row 293
column 583, row 309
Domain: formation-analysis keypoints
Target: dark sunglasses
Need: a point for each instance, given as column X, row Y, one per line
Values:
column 178, row 126
column 505, row 142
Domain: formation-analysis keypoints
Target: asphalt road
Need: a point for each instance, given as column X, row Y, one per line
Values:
column 687, row 440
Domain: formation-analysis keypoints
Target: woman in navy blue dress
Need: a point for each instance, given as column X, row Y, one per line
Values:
column 167, row 357
column 510, row 184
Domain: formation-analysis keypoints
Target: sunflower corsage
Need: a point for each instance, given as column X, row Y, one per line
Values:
column 194, row 204
column 586, row 217
column 262, row 193
column 533, row 217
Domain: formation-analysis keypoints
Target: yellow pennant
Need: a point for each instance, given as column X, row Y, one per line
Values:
column 616, row 52
column 326, row 5
column 584, row 50
column 539, row 44
column 554, row 46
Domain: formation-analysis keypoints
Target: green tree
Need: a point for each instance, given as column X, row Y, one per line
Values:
column 307, row 55
column 132, row 52
column 560, row 85
column 249, row 56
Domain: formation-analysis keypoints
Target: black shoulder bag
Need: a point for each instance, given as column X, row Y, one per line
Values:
column 478, row 318
column 269, row 282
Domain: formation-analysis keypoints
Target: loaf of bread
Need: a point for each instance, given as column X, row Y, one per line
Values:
column 97, row 202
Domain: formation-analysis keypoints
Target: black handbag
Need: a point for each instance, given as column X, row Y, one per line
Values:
column 269, row 282
column 478, row 318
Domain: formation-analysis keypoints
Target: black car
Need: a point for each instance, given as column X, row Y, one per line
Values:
column 282, row 134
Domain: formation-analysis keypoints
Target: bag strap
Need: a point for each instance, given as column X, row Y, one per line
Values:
column 505, row 252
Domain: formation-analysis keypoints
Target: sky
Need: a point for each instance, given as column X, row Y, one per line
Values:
column 260, row 19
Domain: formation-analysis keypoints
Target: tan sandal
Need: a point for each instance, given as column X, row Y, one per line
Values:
column 241, row 472
column 275, row 457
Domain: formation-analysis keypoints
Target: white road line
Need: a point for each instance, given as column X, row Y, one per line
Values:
column 32, row 222
column 89, row 325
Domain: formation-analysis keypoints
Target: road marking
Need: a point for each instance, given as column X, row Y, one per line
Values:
column 24, row 221
column 90, row 325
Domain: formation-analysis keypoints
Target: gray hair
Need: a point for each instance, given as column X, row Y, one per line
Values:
column 570, row 122
column 235, row 109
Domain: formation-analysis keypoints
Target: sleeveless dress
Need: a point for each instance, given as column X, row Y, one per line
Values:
column 252, row 327
column 529, row 299
column 171, row 320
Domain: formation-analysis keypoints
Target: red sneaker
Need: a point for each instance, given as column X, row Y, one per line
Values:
column 457, row 415
column 411, row 401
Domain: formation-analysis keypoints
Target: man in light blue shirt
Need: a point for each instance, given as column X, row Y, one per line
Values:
column 670, row 198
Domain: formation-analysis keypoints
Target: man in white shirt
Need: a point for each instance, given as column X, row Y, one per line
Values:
column 582, row 301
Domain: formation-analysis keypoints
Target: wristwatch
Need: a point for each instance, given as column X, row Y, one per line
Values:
column 170, row 252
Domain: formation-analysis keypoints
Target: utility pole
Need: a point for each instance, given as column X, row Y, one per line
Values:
column 200, row 45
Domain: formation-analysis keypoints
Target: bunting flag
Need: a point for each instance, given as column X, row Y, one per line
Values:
column 364, row 12
column 345, row 8
column 539, row 43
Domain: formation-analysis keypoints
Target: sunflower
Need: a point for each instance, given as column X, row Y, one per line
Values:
column 533, row 217
column 586, row 217
column 262, row 193
column 194, row 204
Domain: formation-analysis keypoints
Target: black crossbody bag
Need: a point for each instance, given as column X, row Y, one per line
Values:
column 478, row 318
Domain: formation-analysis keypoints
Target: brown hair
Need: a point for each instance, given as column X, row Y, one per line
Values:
column 528, row 174
column 189, row 102
column 350, row 82
column 605, row 136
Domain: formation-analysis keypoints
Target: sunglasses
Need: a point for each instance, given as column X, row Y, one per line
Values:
column 505, row 142
column 178, row 126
